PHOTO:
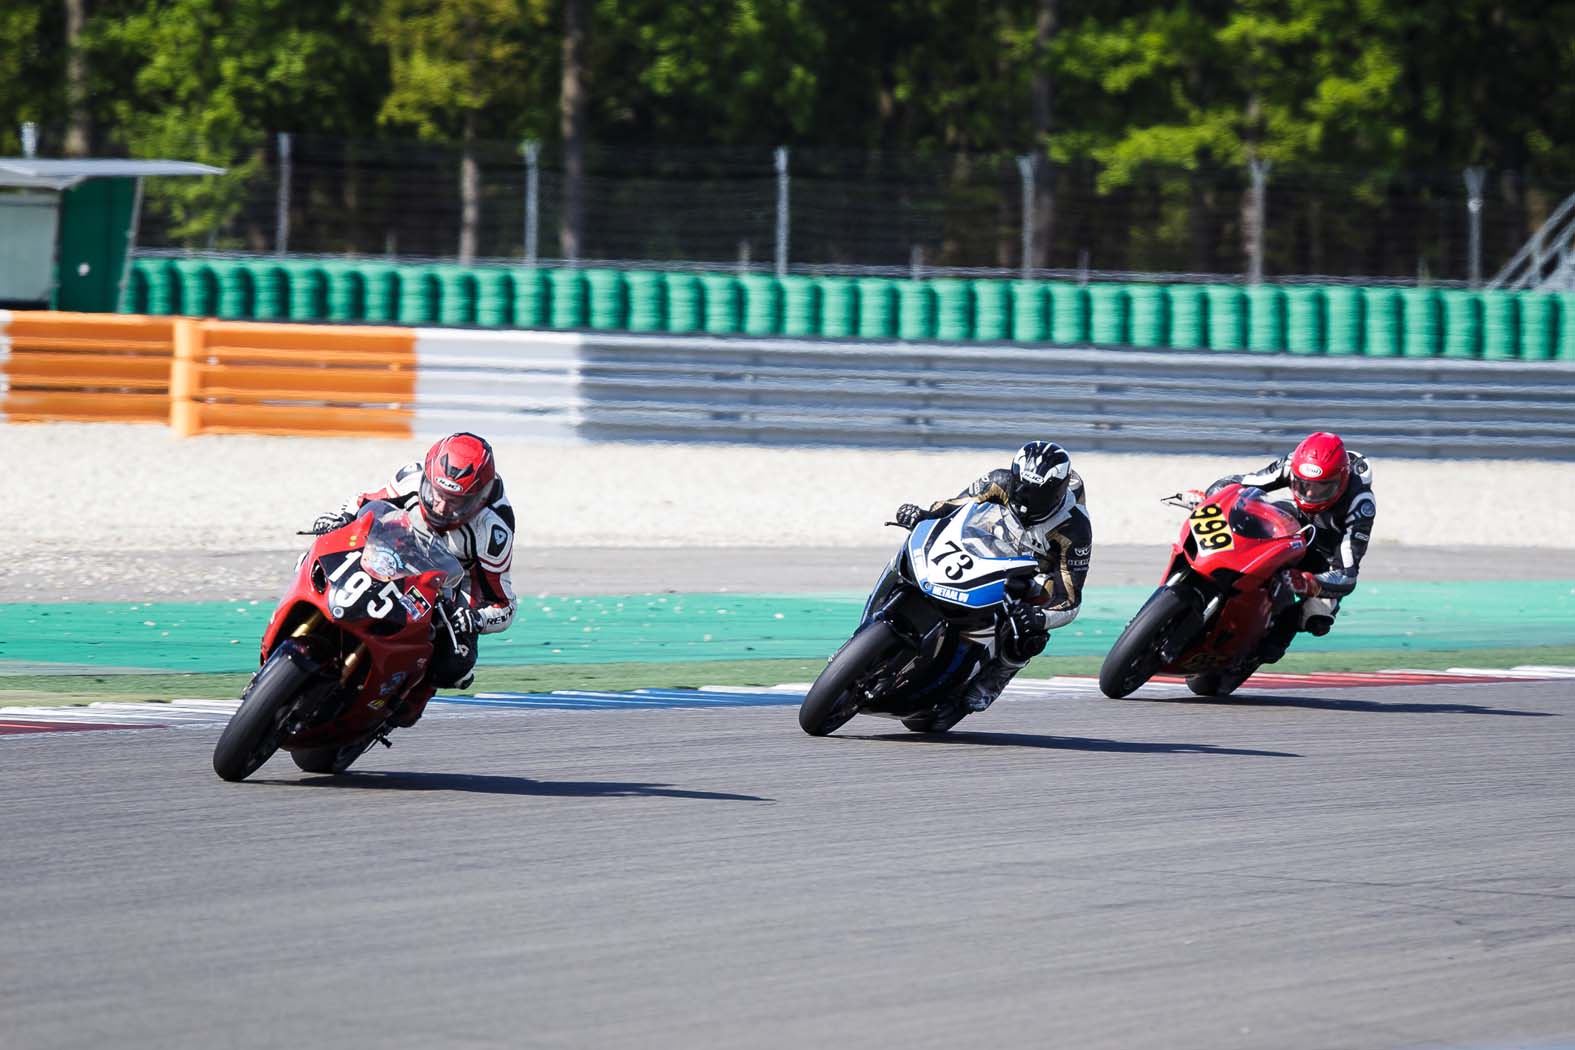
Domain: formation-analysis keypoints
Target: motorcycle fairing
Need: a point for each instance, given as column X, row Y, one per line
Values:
column 390, row 618
column 954, row 561
column 1266, row 540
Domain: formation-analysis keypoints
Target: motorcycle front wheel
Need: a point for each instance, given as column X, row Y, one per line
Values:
column 829, row 705
column 1137, row 654
column 252, row 735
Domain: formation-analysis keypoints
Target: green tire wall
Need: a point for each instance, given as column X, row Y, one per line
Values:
column 1332, row 320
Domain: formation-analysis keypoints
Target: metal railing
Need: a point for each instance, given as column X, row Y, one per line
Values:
column 1547, row 261
column 904, row 395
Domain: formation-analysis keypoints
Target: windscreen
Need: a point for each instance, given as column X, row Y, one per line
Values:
column 992, row 531
column 395, row 548
column 1253, row 517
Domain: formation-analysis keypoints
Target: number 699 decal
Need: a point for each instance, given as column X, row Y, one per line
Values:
column 1210, row 529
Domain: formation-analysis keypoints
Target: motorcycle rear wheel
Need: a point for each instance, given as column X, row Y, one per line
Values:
column 252, row 735
column 1136, row 656
column 1217, row 683
column 330, row 760
column 828, row 706
column 937, row 721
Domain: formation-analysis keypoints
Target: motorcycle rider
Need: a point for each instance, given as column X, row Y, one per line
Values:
column 1047, row 496
column 1332, row 489
column 456, row 495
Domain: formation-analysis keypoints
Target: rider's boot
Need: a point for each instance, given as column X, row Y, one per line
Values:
column 984, row 689
column 414, row 706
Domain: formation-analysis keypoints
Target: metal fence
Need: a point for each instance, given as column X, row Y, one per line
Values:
column 828, row 210
column 804, row 392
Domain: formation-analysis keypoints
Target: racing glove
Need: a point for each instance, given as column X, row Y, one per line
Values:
column 330, row 522
column 1027, row 632
column 463, row 619
column 910, row 514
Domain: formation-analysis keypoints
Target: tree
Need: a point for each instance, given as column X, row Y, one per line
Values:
column 462, row 69
column 30, row 82
column 573, row 107
column 209, row 80
column 79, row 138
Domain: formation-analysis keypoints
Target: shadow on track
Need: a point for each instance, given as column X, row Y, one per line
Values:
column 390, row 780
column 1063, row 743
column 1319, row 703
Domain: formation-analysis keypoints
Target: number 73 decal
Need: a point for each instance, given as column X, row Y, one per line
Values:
column 1210, row 529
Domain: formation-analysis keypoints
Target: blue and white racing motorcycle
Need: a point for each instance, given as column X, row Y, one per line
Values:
column 930, row 626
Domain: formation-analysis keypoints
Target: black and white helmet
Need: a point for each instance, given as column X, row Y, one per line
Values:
column 1041, row 471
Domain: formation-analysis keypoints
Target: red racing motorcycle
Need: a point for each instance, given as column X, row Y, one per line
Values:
column 1229, row 577
column 345, row 649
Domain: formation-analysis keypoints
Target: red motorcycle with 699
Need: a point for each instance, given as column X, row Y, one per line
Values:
column 1228, row 578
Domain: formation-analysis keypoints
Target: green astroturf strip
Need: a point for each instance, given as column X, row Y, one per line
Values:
column 57, row 689
column 684, row 628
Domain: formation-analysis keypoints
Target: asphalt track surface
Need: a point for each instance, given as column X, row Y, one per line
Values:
column 183, row 575
column 1359, row 868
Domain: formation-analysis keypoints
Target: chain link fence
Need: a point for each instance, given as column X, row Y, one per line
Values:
column 825, row 210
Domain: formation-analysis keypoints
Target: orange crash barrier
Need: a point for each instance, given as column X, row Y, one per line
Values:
column 312, row 380
column 70, row 367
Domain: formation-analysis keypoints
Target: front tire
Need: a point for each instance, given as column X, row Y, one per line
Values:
column 1136, row 655
column 252, row 735
column 829, row 706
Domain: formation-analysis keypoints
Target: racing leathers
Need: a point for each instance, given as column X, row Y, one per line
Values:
column 484, row 546
column 1341, row 533
column 1061, row 543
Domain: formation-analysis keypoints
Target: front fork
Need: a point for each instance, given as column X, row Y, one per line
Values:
column 1175, row 640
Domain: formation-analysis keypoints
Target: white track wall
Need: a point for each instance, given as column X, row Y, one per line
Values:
column 511, row 384
column 5, row 355
column 620, row 386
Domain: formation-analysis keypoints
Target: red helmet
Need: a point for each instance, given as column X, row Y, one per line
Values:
column 1320, row 470
column 456, row 480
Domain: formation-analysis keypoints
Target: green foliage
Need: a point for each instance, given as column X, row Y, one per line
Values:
column 31, row 88
column 1162, row 87
column 208, row 81
column 456, row 62
column 710, row 71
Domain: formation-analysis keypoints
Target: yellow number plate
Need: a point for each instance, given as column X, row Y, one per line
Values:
column 1210, row 529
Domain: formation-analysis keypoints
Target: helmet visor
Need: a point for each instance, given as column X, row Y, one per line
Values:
column 1315, row 493
column 444, row 510
column 1035, row 503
